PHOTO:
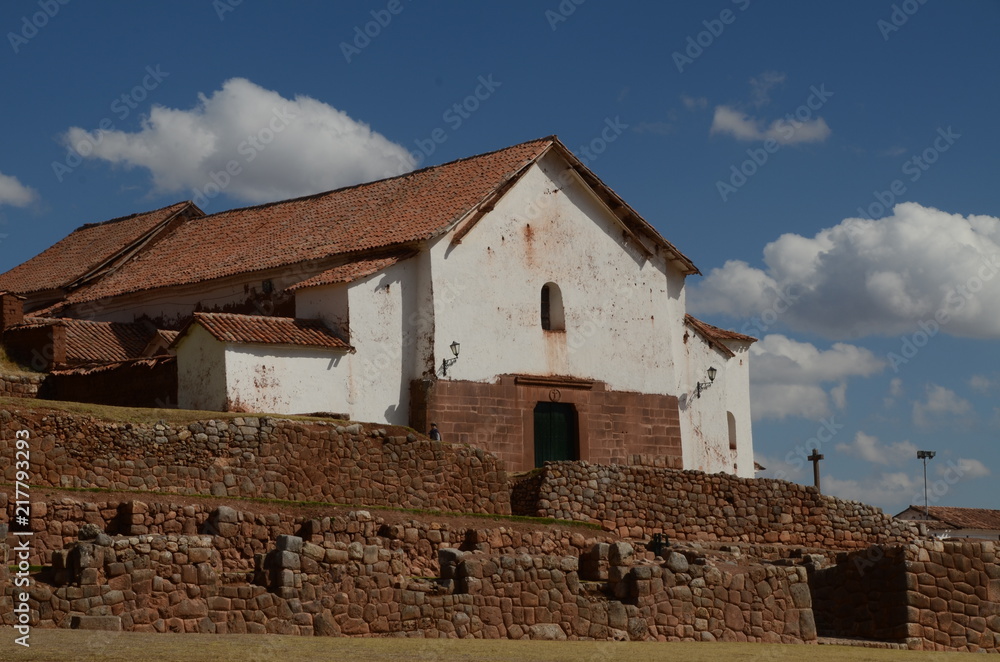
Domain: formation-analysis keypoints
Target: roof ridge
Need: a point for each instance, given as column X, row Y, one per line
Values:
column 265, row 205
column 87, row 226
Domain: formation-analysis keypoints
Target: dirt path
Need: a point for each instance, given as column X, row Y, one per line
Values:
column 80, row 646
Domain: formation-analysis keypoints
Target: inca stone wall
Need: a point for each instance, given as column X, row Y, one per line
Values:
column 258, row 457
column 20, row 386
column 321, row 584
column 637, row 501
column 932, row 594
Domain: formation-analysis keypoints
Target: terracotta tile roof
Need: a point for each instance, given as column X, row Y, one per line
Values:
column 351, row 271
column 255, row 329
column 389, row 212
column 962, row 518
column 89, row 342
column 84, row 249
column 714, row 336
column 146, row 362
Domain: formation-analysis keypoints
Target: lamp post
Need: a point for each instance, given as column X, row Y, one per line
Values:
column 925, row 455
column 445, row 363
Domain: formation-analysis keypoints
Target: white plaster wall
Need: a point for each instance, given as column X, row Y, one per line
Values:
column 284, row 379
column 622, row 311
column 386, row 323
column 325, row 302
column 704, row 420
column 201, row 371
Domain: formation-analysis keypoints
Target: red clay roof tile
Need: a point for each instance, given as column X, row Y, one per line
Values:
column 962, row 518
column 255, row 329
column 714, row 335
column 82, row 250
column 389, row 212
column 351, row 271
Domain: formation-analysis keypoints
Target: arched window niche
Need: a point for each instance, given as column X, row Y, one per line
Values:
column 553, row 317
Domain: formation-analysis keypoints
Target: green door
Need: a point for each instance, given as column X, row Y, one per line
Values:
column 555, row 432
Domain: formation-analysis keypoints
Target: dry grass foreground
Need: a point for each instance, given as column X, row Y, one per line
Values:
column 83, row 646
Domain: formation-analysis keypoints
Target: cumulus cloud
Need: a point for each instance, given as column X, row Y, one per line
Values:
column 892, row 491
column 694, row 103
column 870, row 449
column 739, row 125
column 920, row 269
column 280, row 147
column 761, row 86
column 940, row 405
column 895, row 390
column 14, row 193
column 980, row 383
column 787, row 376
column 966, row 468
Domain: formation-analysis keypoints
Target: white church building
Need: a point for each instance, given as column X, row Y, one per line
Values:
column 511, row 298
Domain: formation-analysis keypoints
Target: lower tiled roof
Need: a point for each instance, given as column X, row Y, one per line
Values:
column 255, row 329
column 89, row 342
column 963, row 518
column 351, row 271
column 714, row 335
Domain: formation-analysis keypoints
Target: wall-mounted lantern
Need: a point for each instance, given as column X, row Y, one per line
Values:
column 445, row 363
column 703, row 386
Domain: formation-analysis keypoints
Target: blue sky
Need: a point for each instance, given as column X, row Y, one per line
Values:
column 746, row 132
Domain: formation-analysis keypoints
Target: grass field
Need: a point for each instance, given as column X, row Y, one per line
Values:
column 80, row 646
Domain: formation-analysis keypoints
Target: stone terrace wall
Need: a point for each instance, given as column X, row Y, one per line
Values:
column 316, row 586
column 258, row 457
column 933, row 595
column 690, row 505
column 20, row 386
column 238, row 536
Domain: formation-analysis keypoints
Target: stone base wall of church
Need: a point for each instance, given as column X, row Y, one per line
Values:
column 638, row 502
column 614, row 427
column 252, row 456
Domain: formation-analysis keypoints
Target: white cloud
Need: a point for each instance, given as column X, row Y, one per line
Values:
column 966, row 468
column 940, row 405
column 786, row 376
column 761, row 86
column 863, row 277
column 895, row 390
column 870, row 449
column 980, row 383
column 283, row 148
column 13, row 192
column 892, row 491
column 739, row 125
column 839, row 395
column 694, row 103
column 896, row 387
